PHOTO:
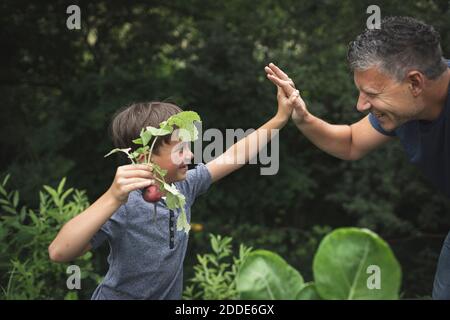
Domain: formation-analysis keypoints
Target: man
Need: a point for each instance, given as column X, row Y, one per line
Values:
column 403, row 83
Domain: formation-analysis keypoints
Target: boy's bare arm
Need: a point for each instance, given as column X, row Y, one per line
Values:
column 245, row 149
column 347, row 142
column 74, row 237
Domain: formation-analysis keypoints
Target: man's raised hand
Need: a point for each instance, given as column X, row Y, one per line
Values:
column 279, row 78
column 282, row 80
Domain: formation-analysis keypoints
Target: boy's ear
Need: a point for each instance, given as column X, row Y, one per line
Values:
column 141, row 158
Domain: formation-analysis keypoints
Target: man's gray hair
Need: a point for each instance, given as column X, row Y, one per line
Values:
column 402, row 44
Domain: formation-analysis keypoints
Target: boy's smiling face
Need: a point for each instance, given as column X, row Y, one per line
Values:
column 173, row 157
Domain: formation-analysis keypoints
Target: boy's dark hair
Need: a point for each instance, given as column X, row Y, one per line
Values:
column 401, row 44
column 127, row 122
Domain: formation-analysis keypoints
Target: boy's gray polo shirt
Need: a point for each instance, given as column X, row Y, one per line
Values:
column 143, row 262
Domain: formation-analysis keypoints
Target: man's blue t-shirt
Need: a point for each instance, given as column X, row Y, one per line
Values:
column 147, row 251
column 427, row 144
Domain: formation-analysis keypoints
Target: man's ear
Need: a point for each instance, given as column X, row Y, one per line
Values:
column 416, row 82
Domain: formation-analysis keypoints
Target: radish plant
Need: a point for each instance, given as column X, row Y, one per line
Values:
column 184, row 122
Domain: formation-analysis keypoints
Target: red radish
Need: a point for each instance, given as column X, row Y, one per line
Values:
column 152, row 193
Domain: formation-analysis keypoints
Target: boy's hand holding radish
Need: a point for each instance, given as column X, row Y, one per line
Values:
column 74, row 237
column 131, row 177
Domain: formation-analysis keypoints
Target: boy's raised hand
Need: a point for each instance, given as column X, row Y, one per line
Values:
column 285, row 104
column 130, row 177
column 281, row 80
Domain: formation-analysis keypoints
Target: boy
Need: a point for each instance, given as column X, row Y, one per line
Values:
column 146, row 256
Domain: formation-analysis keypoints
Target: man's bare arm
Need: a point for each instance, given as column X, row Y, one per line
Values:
column 347, row 142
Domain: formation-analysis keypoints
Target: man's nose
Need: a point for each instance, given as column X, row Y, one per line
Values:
column 363, row 104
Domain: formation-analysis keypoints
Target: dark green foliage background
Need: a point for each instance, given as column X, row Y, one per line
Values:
column 59, row 88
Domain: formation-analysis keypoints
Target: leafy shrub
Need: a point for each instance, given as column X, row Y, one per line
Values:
column 296, row 245
column 340, row 268
column 215, row 273
column 26, row 271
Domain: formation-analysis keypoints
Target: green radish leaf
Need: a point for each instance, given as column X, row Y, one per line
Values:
column 183, row 118
column 159, row 131
column 174, row 198
column 141, row 150
column 265, row 275
column 188, row 134
column 185, row 123
column 182, row 223
column 134, row 155
column 146, row 136
column 166, row 126
column 342, row 263
column 137, row 141
column 308, row 292
column 158, row 170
